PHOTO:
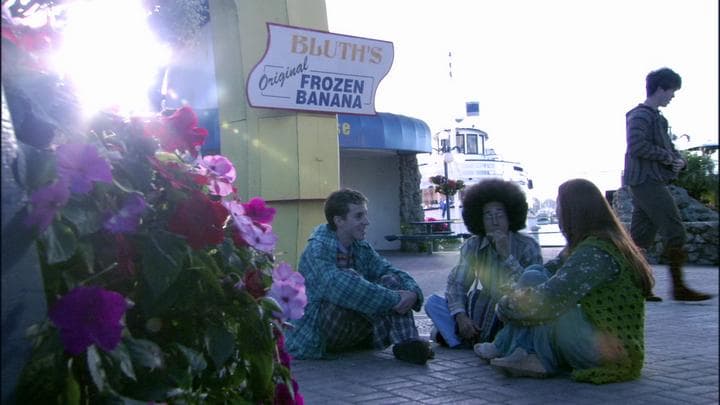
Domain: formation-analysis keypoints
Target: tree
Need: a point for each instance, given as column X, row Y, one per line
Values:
column 549, row 203
column 535, row 204
column 699, row 179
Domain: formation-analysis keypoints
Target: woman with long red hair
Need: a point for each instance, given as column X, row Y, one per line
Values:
column 584, row 311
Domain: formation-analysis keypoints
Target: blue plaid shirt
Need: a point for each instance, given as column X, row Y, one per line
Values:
column 325, row 282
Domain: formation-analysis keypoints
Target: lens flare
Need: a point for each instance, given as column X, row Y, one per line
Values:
column 110, row 55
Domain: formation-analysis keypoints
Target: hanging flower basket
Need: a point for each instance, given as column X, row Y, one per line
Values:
column 446, row 186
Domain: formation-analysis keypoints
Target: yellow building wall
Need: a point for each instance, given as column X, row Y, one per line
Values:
column 290, row 159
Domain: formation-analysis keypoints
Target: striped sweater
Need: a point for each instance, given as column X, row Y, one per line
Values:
column 650, row 152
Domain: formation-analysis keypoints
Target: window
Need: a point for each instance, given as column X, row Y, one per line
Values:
column 472, row 144
column 460, row 142
column 444, row 144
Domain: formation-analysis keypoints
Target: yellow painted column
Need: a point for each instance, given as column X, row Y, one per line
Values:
column 289, row 159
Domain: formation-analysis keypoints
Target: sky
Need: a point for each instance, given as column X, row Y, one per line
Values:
column 554, row 78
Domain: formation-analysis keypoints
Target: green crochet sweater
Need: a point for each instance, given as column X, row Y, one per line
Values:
column 617, row 309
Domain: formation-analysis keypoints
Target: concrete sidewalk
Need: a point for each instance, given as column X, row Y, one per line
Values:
column 681, row 359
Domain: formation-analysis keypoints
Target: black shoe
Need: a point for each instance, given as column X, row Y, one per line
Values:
column 682, row 293
column 653, row 298
column 413, row 351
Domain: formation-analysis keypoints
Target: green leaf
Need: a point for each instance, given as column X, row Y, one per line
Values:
column 220, row 343
column 270, row 305
column 94, row 364
column 124, row 188
column 260, row 379
column 121, row 355
column 60, row 243
column 71, row 393
column 87, row 253
column 162, row 255
column 83, row 215
column 145, row 353
column 209, row 272
column 195, row 359
column 229, row 255
column 35, row 167
column 255, row 341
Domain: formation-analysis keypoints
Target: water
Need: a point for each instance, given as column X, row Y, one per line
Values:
column 547, row 235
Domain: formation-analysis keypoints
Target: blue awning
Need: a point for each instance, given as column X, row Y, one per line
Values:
column 384, row 131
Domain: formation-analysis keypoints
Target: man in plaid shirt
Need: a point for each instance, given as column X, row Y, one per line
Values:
column 356, row 299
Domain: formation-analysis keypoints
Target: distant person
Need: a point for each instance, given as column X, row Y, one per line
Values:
column 493, row 211
column 356, row 299
column 583, row 311
column 443, row 208
column 651, row 163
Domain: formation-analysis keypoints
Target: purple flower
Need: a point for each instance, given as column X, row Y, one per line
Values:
column 128, row 218
column 291, row 298
column 236, row 209
column 288, row 289
column 220, row 172
column 259, row 236
column 89, row 315
column 284, row 273
column 45, row 203
column 80, row 164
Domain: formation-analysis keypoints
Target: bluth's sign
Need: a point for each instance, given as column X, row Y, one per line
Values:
column 319, row 71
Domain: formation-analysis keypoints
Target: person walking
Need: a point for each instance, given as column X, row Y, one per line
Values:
column 651, row 163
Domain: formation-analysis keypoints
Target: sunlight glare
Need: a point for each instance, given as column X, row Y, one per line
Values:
column 110, row 55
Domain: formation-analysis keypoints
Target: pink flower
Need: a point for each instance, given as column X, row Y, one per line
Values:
column 220, row 172
column 247, row 232
column 283, row 397
column 259, row 236
column 81, row 165
column 258, row 211
column 89, row 315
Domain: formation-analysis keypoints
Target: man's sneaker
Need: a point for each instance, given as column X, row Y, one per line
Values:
column 413, row 351
column 520, row 364
column 486, row 351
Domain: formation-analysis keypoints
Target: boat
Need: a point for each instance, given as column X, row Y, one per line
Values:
column 464, row 153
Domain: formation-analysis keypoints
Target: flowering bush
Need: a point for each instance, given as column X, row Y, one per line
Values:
column 446, row 186
column 442, row 227
column 161, row 283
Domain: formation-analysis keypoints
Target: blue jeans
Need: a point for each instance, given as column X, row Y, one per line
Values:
column 436, row 307
column 568, row 341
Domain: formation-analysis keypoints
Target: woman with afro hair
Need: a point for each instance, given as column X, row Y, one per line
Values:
column 490, row 261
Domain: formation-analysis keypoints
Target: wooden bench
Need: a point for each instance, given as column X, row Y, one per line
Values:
column 428, row 238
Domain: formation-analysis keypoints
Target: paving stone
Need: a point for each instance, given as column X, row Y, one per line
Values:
column 681, row 360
